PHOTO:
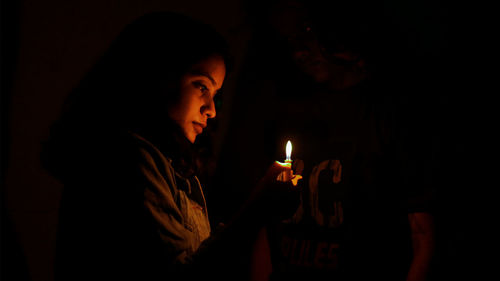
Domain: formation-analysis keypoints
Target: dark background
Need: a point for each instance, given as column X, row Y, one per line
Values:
column 47, row 46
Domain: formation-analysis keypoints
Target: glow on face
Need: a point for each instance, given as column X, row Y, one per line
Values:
column 198, row 88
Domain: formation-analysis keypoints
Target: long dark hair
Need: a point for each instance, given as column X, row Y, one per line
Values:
column 130, row 87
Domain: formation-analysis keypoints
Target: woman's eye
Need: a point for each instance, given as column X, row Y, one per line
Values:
column 201, row 86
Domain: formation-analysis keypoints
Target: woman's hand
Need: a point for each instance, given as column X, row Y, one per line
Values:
column 273, row 199
column 269, row 202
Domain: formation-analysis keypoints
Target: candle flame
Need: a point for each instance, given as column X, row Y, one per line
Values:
column 288, row 150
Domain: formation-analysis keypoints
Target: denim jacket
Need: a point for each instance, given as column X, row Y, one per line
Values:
column 176, row 203
column 127, row 214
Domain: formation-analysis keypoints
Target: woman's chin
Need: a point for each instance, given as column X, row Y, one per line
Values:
column 191, row 136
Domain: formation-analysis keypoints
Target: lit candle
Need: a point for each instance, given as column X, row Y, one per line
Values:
column 287, row 175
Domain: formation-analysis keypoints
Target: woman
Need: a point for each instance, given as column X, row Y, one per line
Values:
column 132, row 204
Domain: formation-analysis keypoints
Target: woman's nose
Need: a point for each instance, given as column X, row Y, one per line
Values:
column 209, row 108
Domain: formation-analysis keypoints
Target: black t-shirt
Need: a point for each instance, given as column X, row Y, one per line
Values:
column 360, row 178
column 352, row 222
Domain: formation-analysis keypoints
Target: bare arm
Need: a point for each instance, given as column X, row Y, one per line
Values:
column 261, row 266
column 423, row 243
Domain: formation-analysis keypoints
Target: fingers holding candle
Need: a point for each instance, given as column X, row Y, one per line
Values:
column 288, row 175
column 275, row 169
column 295, row 179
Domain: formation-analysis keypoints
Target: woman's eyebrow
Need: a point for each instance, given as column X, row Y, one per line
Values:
column 208, row 76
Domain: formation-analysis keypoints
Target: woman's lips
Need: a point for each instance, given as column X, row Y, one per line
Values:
column 198, row 127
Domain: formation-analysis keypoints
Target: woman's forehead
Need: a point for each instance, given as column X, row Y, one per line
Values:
column 213, row 68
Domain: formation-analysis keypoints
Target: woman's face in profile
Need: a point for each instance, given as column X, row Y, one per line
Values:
column 197, row 90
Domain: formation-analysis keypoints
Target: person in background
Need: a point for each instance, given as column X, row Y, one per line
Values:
column 126, row 150
column 333, row 80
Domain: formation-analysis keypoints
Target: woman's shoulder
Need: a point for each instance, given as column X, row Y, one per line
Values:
column 136, row 160
column 140, row 142
column 146, row 152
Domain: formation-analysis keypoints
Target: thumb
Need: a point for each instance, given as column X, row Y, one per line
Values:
column 275, row 169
